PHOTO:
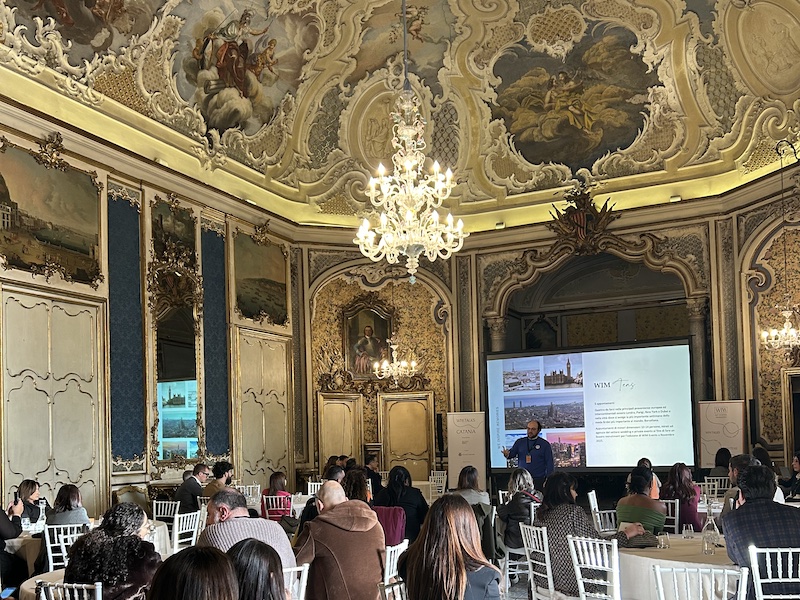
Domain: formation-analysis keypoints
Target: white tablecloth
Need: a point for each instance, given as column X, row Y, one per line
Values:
column 161, row 539
column 27, row 591
column 26, row 547
column 637, row 580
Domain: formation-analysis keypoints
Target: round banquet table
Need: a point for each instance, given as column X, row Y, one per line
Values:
column 637, row 579
column 26, row 547
column 27, row 591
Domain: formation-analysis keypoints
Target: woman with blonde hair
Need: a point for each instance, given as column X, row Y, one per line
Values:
column 446, row 562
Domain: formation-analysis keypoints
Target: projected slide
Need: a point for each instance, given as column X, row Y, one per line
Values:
column 603, row 408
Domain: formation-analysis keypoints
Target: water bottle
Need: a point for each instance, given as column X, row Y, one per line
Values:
column 710, row 535
column 42, row 507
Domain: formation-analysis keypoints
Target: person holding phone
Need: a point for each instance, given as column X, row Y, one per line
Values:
column 13, row 570
column 29, row 495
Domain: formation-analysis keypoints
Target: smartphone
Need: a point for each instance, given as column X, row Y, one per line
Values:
column 7, row 592
column 16, row 500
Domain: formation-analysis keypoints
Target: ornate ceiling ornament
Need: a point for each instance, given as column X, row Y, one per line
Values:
column 260, row 234
column 581, row 225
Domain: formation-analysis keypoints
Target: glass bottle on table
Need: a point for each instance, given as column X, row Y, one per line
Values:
column 710, row 534
column 42, row 518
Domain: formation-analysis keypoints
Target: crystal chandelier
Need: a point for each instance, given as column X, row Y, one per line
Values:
column 787, row 337
column 409, row 222
column 395, row 369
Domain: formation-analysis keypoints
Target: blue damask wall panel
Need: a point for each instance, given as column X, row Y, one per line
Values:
column 126, row 334
column 215, row 344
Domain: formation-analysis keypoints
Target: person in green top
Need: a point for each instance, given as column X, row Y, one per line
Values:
column 638, row 506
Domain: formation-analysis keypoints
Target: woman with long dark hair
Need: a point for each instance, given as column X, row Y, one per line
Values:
column 722, row 461
column 563, row 517
column 258, row 569
column 791, row 486
column 29, row 494
column 277, row 487
column 446, row 562
column 469, row 488
column 197, row 573
column 679, row 486
column 116, row 554
column 399, row 492
column 638, row 506
column 68, row 508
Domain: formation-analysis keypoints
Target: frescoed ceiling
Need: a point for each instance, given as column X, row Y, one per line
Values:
column 286, row 103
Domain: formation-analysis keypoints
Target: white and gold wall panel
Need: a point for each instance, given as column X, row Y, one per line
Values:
column 54, row 416
column 262, row 430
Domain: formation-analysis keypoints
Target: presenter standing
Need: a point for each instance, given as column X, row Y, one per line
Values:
column 534, row 453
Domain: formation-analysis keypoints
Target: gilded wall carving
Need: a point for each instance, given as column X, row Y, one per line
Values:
column 591, row 329
column 415, row 329
column 662, row 322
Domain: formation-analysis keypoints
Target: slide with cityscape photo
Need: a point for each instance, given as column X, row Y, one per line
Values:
column 592, row 405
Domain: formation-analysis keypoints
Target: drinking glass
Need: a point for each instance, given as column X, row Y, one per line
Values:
column 663, row 540
column 688, row 531
column 708, row 545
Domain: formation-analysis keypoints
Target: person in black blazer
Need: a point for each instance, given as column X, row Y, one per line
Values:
column 192, row 489
column 399, row 492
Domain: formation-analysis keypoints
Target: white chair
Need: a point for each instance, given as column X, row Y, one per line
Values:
column 201, row 523
column 709, row 488
column 56, row 559
column 68, row 591
column 66, row 542
column 593, row 505
column 369, row 487
column 184, row 531
column 516, row 561
column 723, row 485
column 392, row 554
column 300, row 574
column 276, row 506
column 203, row 500
column 251, row 491
column 673, row 522
column 690, row 583
column 392, row 591
column 312, row 487
column 503, row 496
column 776, row 572
column 165, row 511
column 537, row 553
column 590, row 556
column 438, row 481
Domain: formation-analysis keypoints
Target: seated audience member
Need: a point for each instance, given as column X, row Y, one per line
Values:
column 196, row 573
column 679, row 486
column 277, row 487
column 331, row 462
column 222, row 471
column 373, row 474
column 737, row 464
column 342, row 461
column 762, row 456
column 563, row 517
column 186, row 474
column 13, row 570
column 638, row 506
column 345, row 546
column 760, row 521
column 791, row 486
column 259, row 571
column 399, row 492
column 355, row 485
column 67, row 508
column 334, row 473
column 116, row 554
column 191, row 489
column 655, row 488
column 721, row 460
column 228, row 523
column 29, row 494
column 469, row 488
column 350, row 464
column 446, row 562
column 518, row 509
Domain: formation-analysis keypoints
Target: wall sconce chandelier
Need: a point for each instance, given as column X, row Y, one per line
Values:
column 787, row 337
column 409, row 222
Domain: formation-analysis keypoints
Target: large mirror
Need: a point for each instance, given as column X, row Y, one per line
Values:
column 176, row 301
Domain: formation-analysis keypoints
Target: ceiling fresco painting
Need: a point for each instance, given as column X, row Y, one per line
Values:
column 573, row 111
column 291, row 97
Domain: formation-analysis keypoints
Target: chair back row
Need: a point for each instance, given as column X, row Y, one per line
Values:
column 299, row 582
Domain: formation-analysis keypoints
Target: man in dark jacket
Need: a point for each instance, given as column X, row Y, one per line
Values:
column 345, row 546
column 13, row 570
column 192, row 489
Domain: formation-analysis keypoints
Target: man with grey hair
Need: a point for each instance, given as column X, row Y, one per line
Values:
column 345, row 545
column 229, row 522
